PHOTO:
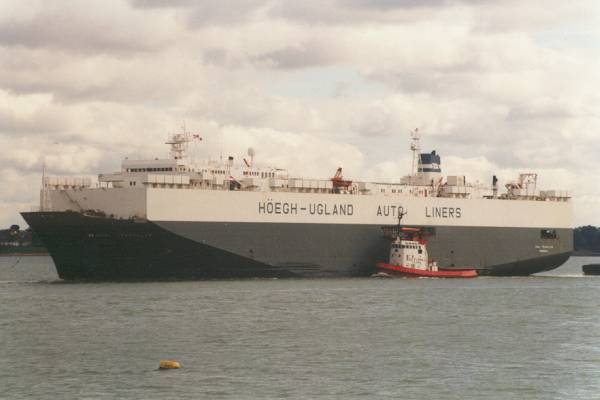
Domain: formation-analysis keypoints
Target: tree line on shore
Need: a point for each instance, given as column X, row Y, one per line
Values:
column 586, row 239
column 14, row 236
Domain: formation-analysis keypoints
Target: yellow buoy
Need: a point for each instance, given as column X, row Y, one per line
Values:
column 168, row 364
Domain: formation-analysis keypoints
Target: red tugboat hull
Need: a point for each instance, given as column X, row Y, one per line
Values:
column 399, row 270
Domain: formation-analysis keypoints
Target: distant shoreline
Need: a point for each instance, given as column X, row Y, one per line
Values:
column 24, row 254
column 23, row 251
column 585, row 253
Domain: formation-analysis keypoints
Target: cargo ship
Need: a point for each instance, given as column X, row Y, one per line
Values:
column 178, row 218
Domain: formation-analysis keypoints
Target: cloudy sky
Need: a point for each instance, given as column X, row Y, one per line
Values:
column 496, row 87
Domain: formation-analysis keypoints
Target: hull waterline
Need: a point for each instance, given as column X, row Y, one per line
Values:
column 399, row 270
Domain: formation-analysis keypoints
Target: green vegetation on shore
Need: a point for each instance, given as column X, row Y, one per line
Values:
column 16, row 241
column 586, row 240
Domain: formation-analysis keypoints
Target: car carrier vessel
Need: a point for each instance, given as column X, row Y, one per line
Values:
column 176, row 218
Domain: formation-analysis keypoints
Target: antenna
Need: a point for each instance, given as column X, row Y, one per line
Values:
column 221, row 157
column 251, row 154
column 44, row 173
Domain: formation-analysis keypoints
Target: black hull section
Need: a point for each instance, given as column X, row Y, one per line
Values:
column 104, row 249
column 527, row 267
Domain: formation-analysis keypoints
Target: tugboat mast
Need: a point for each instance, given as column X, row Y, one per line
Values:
column 401, row 213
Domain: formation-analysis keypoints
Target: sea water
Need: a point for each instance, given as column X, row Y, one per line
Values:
column 494, row 338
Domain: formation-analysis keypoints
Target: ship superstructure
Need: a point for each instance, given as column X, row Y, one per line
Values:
column 175, row 218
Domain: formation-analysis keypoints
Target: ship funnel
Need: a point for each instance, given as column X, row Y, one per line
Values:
column 430, row 162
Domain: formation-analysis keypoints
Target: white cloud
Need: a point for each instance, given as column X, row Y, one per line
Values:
column 96, row 27
column 302, row 154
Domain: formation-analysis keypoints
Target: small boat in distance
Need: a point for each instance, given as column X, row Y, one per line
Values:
column 591, row 269
column 409, row 258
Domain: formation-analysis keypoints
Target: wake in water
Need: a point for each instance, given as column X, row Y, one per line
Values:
column 27, row 269
column 28, row 282
column 16, row 263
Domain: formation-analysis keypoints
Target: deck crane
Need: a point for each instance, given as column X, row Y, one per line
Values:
column 338, row 180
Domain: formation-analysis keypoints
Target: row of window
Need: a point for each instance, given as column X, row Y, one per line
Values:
column 393, row 190
column 213, row 171
column 150, row 169
column 262, row 174
column 405, row 246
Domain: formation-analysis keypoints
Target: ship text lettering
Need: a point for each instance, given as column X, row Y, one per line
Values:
column 386, row 211
column 277, row 207
column 282, row 207
column 328, row 209
column 443, row 212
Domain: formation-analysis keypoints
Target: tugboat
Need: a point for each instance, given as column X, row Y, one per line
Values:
column 408, row 256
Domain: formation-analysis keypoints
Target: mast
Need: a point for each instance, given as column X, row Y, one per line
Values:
column 179, row 144
column 401, row 213
column 415, row 148
column 45, row 204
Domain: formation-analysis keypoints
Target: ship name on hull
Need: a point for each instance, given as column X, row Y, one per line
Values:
column 287, row 208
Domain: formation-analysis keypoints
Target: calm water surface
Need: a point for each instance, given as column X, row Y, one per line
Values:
column 493, row 338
